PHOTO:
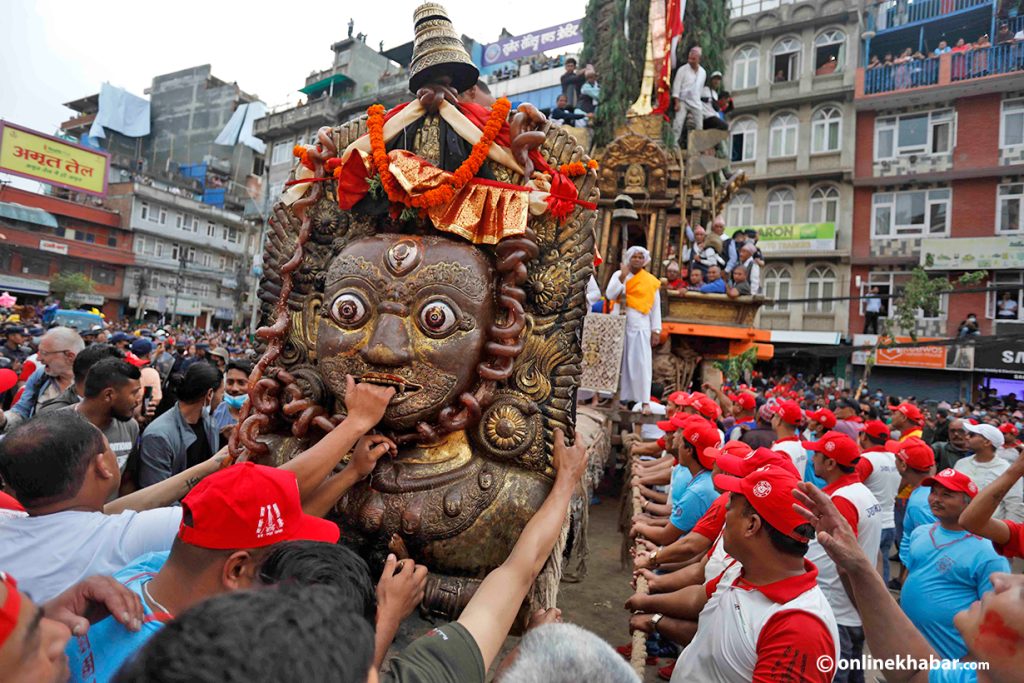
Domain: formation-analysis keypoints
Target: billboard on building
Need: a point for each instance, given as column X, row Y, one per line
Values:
column 793, row 237
column 1000, row 356
column 532, row 43
column 33, row 155
column 972, row 253
column 941, row 357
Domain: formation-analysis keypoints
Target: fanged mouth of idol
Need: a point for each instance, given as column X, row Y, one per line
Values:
column 402, row 386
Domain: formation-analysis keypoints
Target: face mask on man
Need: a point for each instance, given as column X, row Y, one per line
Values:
column 235, row 402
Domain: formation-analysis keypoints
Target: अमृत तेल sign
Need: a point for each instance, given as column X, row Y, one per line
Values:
column 36, row 156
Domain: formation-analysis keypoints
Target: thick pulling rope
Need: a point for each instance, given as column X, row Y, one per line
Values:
column 638, row 657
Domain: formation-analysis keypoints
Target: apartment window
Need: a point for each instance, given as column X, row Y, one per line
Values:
column 223, row 264
column 258, row 164
column 917, row 213
column 743, row 134
column 158, row 251
column 1006, row 304
column 175, row 251
column 1011, row 129
column 889, row 285
column 786, row 60
column 741, row 210
column 923, row 133
column 103, row 275
column 233, row 235
column 776, row 281
column 179, row 221
column 824, row 204
column 282, row 152
column 190, row 255
column 826, row 129
column 782, row 136
column 144, row 211
column 211, row 229
column 111, row 241
column 744, row 67
column 829, row 52
column 1008, row 208
column 781, row 207
column 821, row 287
column 35, row 265
column 163, row 216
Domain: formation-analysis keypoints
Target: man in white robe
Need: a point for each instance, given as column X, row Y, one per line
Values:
column 643, row 327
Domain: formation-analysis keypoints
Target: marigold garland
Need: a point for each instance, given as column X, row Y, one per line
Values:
column 302, row 154
column 574, row 169
column 592, row 164
column 439, row 196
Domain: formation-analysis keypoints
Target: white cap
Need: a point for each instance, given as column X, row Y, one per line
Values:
column 987, row 432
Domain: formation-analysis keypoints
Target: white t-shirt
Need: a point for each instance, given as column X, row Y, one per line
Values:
column 50, row 553
column 884, row 483
column 792, row 447
column 983, row 474
column 650, row 432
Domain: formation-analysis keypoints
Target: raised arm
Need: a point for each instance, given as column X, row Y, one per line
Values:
column 977, row 517
column 168, row 491
column 888, row 631
column 365, row 404
column 490, row 613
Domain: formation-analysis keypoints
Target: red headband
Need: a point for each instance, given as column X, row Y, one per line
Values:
column 10, row 609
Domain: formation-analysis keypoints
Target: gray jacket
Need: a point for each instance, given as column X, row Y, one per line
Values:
column 164, row 449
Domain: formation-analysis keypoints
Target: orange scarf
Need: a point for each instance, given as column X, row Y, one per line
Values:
column 640, row 291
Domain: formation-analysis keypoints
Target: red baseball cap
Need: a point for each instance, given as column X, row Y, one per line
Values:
column 702, row 435
column 823, row 416
column 914, row 452
column 667, row 426
column 837, row 446
column 10, row 610
column 746, row 401
column 954, row 481
column 1008, row 428
column 733, row 448
column 678, row 397
column 740, row 465
column 789, row 411
column 876, row 429
column 911, row 412
column 770, row 492
column 249, row 506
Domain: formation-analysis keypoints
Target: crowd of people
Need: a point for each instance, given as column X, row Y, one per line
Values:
column 715, row 263
column 778, row 515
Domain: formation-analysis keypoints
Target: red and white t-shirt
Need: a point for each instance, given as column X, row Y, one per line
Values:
column 860, row 508
column 791, row 446
column 877, row 469
column 778, row 631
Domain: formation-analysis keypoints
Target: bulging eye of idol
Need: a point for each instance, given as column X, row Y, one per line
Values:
column 437, row 317
column 349, row 310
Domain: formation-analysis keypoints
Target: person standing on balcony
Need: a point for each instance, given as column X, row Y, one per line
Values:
column 642, row 307
column 872, row 310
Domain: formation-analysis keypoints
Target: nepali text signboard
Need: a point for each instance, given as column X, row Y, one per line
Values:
column 1004, row 357
column 794, row 237
column 947, row 357
column 507, row 49
column 973, row 253
column 36, row 156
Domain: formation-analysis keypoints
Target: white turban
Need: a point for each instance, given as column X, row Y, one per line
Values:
column 638, row 250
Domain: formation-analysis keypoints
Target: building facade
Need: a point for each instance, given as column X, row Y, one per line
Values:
column 791, row 70
column 939, row 177
column 44, row 236
column 192, row 260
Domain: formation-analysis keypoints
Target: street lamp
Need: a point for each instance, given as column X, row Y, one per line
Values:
column 180, row 280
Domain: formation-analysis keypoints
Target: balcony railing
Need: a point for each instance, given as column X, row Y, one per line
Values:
column 740, row 8
column 911, row 74
column 891, row 14
column 937, row 73
column 989, row 61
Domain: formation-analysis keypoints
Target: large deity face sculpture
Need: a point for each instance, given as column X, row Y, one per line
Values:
column 408, row 311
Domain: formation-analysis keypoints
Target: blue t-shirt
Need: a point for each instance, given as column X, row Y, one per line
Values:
column 96, row 656
column 681, row 477
column 716, row 287
column 695, row 501
column 948, row 570
column 223, row 418
column 811, row 477
column 918, row 512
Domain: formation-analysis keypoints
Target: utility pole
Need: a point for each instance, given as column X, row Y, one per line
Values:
column 180, row 281
column 142, row 284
